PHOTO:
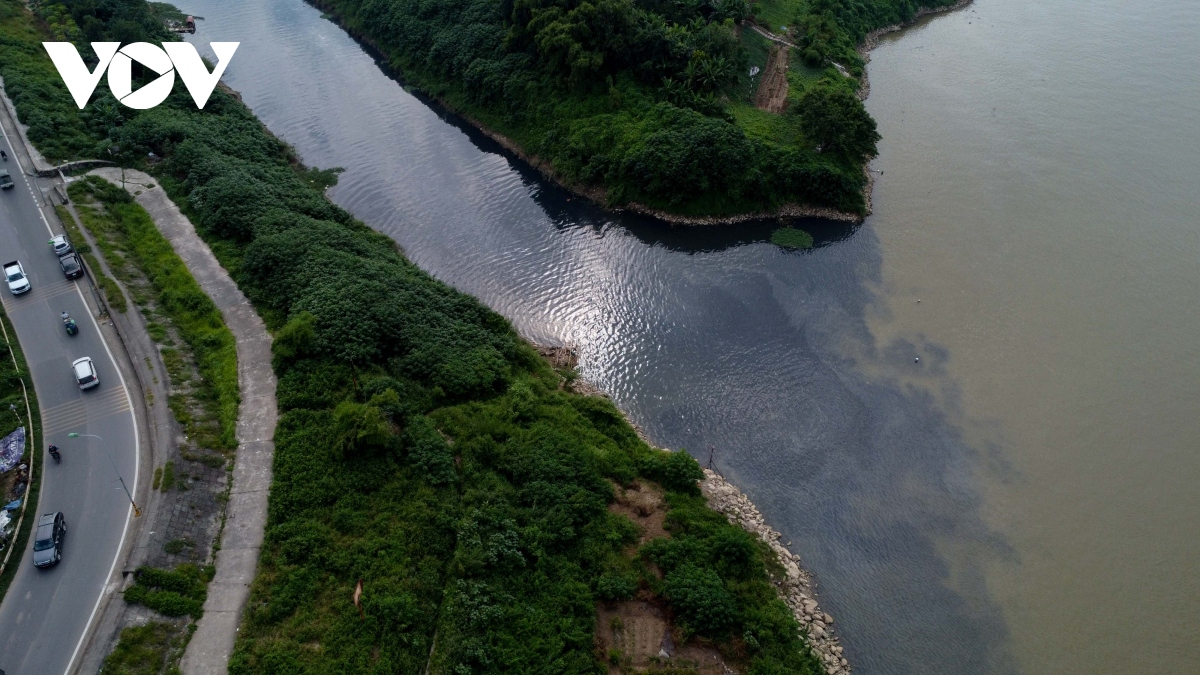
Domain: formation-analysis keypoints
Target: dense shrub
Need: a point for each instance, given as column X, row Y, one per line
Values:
column 705, row 606
column 178, row 592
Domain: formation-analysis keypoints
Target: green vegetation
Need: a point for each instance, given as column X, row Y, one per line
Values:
column 643, row 97
column 177, row 545
column 830, row 30
column 422, row 446
column 113, row 297
column 15, row 383
column 790, row 237
column 152, row 649
column 168, row 475
column 125, row 231
column 180, row 592
column 635, row 96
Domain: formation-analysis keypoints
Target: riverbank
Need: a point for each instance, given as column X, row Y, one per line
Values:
column 795, row 587
column 628, row 151
column 599, row 195
column 872, row 39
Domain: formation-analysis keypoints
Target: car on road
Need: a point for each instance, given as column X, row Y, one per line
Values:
column 6, row 180
column 48, row 539
column 70, row 266
column 18, row 283
column 61, row 245
column 85, row 372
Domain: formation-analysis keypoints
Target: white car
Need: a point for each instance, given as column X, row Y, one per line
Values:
column 85, row 373
column 18, row 283
column 61, row 245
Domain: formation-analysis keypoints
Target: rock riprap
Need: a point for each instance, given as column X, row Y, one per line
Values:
column 796, row 588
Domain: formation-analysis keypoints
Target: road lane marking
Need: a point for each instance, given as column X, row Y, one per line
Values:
column 57, row 289
column 76, row 414
column 63, row 417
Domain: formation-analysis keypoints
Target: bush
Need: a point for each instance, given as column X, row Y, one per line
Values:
column 790, row 237
column 705, row 606
column 142, row 650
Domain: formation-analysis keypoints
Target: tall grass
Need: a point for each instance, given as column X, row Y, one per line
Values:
column 177, row 293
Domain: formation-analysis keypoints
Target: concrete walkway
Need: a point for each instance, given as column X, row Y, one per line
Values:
column 246, row 515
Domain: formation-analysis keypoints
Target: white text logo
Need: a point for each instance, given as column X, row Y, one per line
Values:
column 178, row 57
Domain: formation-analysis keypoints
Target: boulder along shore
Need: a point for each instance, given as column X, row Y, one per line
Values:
column 797, row 588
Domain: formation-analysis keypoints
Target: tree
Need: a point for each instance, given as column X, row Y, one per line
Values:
column 836, row 120
column 704, row 605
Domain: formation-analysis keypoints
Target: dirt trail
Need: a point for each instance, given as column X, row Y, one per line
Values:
column 772, row 90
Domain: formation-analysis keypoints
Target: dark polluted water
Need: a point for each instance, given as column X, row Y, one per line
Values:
column 710, row 338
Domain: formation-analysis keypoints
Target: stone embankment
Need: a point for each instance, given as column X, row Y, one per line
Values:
column 796, row 588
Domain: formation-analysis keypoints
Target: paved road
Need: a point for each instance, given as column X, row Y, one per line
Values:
column 46, row 612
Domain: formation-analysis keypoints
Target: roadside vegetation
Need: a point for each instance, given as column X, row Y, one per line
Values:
column 423, row 449
column 152, row 649
column 173, row 303
column 114, row 299
column 15, row 383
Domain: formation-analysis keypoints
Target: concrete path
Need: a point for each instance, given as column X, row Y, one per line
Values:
column 246, row 515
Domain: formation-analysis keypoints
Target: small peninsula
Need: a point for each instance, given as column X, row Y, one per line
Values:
column 695, row 112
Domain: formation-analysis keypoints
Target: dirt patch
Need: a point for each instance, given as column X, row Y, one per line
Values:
column 643, row 504
column 773, row 89
column 636, row 636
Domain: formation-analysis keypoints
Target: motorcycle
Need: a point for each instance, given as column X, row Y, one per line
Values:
column 55, row 454
column 69, row 323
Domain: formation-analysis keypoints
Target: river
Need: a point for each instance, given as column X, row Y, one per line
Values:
column 1019, row 500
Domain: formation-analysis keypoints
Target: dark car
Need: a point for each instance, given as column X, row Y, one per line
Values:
column 6, row 180
column 70, row 266
column 48, row 540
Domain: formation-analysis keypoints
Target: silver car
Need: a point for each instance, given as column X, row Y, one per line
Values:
column 61, row 245
column 85, row 373
column 48, row 539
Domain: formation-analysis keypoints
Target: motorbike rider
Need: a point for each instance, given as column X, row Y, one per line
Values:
column 3, row 155
column 54, row 453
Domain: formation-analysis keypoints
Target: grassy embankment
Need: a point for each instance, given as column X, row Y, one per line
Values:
column 133, row 245
column 15, row 383
column 422, row 446
column 204, row 399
